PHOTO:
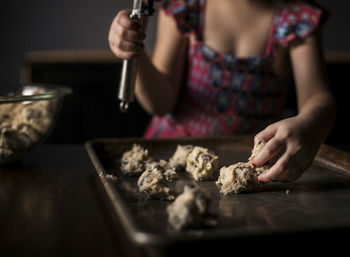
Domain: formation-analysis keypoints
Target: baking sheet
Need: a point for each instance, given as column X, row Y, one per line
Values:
column 319, row 200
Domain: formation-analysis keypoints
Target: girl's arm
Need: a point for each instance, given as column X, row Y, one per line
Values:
column 296, row 140
column 158, row 81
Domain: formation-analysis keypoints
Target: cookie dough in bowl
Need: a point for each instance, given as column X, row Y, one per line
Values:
column 27, row 118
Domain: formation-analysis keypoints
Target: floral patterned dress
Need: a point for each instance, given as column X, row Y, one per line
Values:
column 224, row 94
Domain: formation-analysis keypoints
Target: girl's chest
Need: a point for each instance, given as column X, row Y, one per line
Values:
column 238, row 30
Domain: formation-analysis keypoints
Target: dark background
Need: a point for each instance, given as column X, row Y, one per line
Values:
column 42, row 25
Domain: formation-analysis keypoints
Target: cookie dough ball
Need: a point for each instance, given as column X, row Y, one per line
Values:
column 242, row 176
column 134, row 161
column 239, row 177
column 179, row 158
column 257, row 149
column 168, row 171
column 190, row 210
column 202, row 163
column 153, row 182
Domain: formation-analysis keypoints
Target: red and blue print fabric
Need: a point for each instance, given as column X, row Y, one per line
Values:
column 224, row 94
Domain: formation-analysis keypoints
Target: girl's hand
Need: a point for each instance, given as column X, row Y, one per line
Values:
column 293, row 142
column 126, row 35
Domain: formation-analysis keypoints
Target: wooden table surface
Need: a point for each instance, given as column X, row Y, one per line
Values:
column 49, row 206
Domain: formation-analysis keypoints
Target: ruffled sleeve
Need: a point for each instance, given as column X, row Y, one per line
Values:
column 186, row 14
column 296, row 21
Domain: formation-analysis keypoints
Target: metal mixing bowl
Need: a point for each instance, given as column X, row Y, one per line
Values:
column 27, row 118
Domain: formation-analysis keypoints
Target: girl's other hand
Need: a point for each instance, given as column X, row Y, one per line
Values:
column 293, row 143
column 126, row 35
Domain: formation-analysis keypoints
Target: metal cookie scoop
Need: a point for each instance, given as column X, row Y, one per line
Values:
column 129, row 69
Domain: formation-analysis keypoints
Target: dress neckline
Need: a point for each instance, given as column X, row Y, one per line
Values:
column 200, row 41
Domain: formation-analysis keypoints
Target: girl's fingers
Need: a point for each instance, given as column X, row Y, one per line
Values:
column 269, row 151
column 122, row 54
column 276, row 172
column 126, row 36
column 127, row 46
column 288, row 167
column 129, row 35
column 266, row 134
column 124, row 20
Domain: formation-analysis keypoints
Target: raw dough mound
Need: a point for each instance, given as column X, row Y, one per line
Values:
column 153, row 182
column 202, row 163
column 237, row 178
column 242, row 176
column 22, row 125
column 190, row 210
column 257, row 149
column 179, row 158
column 168, row 171
column 134, row 161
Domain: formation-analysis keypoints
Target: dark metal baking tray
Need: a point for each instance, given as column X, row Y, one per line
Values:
column 318, row 201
